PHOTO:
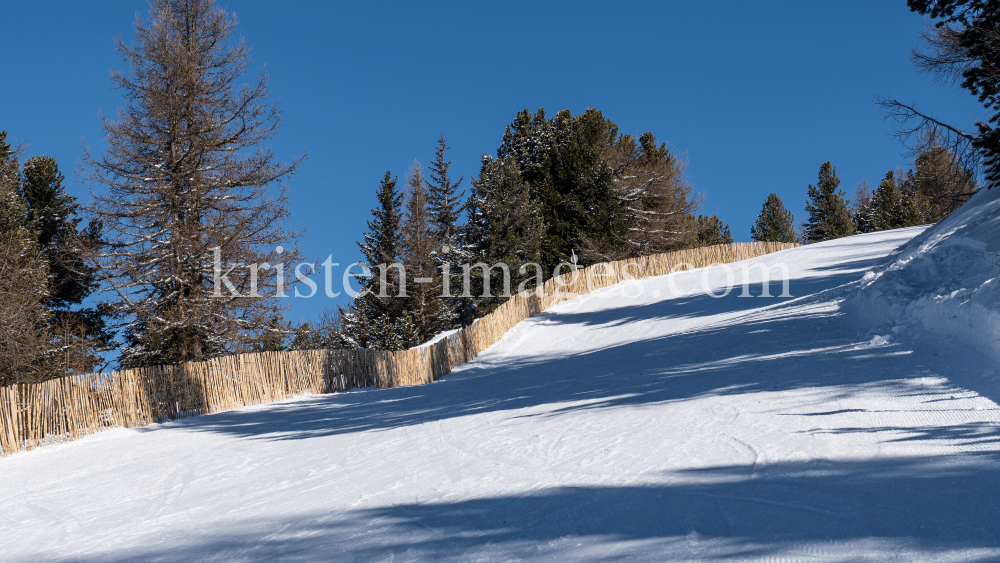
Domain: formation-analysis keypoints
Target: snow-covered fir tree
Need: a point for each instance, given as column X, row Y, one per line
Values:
column 377, row 318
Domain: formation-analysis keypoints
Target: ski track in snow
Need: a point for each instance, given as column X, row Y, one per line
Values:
column 616, row 426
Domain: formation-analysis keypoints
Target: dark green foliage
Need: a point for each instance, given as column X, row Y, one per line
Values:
column 712, row 231
column 383, row 244
column 562, row 161
column 891, row 206
column 505, row 226
column 377, row 307
column 829, row 216
column 54, row 217
column 38, row 215
column 774, row 223
column 443, row 197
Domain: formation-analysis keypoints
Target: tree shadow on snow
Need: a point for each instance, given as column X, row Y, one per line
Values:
column 891, row 508
column 750, row 354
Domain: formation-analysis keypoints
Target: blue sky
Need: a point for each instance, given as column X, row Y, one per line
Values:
column 754, row 95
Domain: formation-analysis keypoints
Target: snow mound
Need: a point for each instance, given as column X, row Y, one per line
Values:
column 944, row 278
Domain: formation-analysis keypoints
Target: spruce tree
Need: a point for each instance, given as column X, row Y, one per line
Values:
column 374, row 315
column 774, row 223
column 827, row 209
column 383, row 245
column 505, row 226
column 562, row 160
column 444, row 201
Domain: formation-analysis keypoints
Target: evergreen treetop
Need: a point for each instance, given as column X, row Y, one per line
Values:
column 774, row 223
column 892, row 207
column 383, row 244
column 711, row 231
column 829, row 216
column 443, row 198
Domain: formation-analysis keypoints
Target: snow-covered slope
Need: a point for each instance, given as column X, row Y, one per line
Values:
column 642, row 422
column 944, row 279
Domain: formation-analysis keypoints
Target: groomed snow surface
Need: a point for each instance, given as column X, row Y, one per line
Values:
column 649, row 426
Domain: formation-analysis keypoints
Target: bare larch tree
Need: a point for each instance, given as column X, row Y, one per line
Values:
column 193, row 206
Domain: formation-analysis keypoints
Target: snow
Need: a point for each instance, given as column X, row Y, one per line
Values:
column 629, row 424
column 944, row 279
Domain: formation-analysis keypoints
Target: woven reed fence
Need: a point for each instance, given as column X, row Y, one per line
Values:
column 68, row 408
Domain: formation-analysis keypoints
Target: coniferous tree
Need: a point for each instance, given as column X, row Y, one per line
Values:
column 429, row 314
column 711, row 231
column 940, row 183
column 774, row 223
column 827, row 208
column 657, row 202
column 445, row 205
column 505, row 226
column 23, row 287
column 861, row 207
column 375, row 318
column 189, row 190
column 79, row 332
column 892, row 207
column 444, row 201
column 562, row 160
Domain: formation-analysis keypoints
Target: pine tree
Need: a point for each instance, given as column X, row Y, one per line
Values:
column 892, row 208
column 774, row 223
column 505, row 226
column 188, row 189
column 711, row 231
column 829, row 216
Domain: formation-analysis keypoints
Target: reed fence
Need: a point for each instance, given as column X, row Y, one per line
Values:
column 71, row 407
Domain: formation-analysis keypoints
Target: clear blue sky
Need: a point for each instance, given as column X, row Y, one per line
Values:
column 755, row 95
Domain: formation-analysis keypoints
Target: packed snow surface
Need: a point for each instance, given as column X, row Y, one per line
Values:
column 645, row 422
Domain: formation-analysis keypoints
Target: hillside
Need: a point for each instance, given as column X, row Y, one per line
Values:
column 644, row 426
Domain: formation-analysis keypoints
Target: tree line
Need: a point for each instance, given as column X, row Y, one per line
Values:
column 936, row 186
column 183, row 253
column 563, row 191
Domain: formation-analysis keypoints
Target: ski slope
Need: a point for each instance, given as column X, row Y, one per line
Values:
column 633, row 424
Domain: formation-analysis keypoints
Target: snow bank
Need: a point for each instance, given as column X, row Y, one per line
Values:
column 944, row 278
